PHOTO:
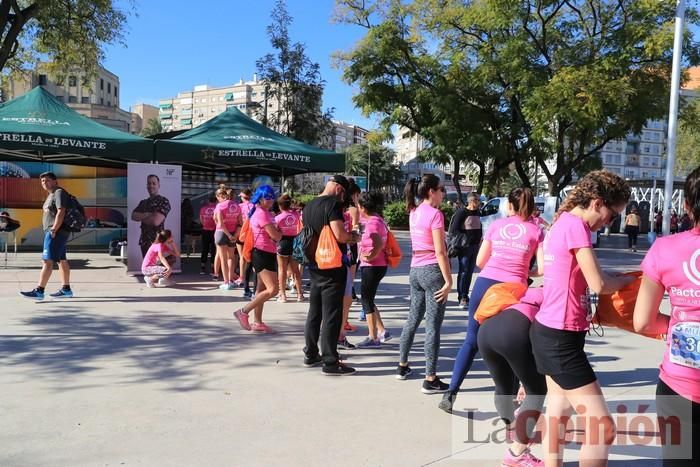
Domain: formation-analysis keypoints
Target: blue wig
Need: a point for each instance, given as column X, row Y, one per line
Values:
column 261, row 193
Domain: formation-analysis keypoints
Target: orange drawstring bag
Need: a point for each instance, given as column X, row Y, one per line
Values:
column 246, row 234
column 617, row 309
column 392, row 249
column 497, row 298
column 328, row 255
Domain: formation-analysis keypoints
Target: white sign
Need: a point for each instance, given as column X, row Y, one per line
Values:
column 153, row 204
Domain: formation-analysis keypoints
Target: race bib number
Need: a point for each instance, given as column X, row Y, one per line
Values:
column 685, row 343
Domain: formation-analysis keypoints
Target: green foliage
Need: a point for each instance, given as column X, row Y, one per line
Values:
column 305, row 198
column 294, row 81
column 153, row 127
column 383, row 171
column 71, row 34
column 688, row 142
column 506, row 85
column 395, row 214
column 448, row 211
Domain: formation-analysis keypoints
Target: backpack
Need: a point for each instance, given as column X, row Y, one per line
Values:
column 246, row 234
column 74, row 220
column 302, row 245
column 392, row 249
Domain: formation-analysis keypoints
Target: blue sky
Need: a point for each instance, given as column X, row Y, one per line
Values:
column 177, row 44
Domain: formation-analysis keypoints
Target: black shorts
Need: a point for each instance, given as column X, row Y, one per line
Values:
column 285, row 245
column 559, row 354
column 263, row 260
column 354, row 256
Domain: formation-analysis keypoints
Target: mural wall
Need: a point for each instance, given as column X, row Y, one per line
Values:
column 102, row 191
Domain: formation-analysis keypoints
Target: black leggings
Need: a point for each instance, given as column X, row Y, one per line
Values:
column 208, row 246
column 371, row 276
column 504, row 343
column 632, row 233
column 677, row 452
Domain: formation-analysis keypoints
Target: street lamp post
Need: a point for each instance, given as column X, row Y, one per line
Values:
column 369, row 164
column 673, row 115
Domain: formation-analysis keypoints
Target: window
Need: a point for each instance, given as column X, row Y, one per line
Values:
column 109, row 87
column 109, row 103
column 72, row 81
column 617, row 159
column 60, row 98
column 102, row 101
column 491, row 207
column 43, row 81
column 646, row 148
column 72, row 99
column 115, row 91
column 84, row 100
column 102, row 83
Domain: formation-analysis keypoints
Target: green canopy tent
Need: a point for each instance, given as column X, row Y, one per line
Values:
column 234, row 141
column 39, row 127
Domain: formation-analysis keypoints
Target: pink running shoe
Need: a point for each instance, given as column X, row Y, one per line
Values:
column 262, row 327
column 242, row 318
column 526, row 459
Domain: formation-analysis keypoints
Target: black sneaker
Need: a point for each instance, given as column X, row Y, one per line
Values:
column 448, row 400
column 310, row 362
column 35, row 294
column 434, row 387
column 339, row 369
column 402, row 372
column 345, row 344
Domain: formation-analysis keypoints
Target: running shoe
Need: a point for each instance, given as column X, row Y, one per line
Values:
column 35, row 294
column 149, row 283
column 434, row 387
column 526, row 459
column 163, row 282
column 238, row 283
column 369, row 343
column 402, row 372
column 261, row 327
column 349, row 327
column 464, row 304
column 248, row 294
column 242, row 318
column 282, row 299
column 447, row 402
column 344, row 343
column 62, row 293
column 312, row 361
column 385, row 336
column 339, row 369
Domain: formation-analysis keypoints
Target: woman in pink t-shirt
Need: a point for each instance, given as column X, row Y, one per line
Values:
column 264, row 259
column 558, row 333
column 373, row 265
column 153, row 272
column 206, row 219
column 504, row 256
column 678, row 389
column 227, row 216
column 243, row 267
column 289, row 224
column 430, row 278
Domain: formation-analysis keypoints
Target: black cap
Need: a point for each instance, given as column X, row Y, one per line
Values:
column 340, row 180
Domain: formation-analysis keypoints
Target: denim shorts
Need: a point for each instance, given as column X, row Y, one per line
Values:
column 55, row 248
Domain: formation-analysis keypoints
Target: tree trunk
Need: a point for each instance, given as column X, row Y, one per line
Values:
column 524, row 177
column 455, row 179
column 482, row 176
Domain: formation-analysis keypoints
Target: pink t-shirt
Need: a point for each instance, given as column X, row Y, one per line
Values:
column 151, row 257
column 261, row 239
column 422, row 221
column 513, row 243
column 230, row 213
column 288, row 223
column 530, row 303
column 679, row 275
column 565, row 305
column 245, row 206
column 373, row 225
column 206, row 215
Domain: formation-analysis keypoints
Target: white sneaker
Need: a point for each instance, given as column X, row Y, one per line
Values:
column 148, row 281
column 163, row 282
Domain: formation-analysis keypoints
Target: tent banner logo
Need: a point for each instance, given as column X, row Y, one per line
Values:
column 50, row 141
column 264, row 156
column 35, row 121
column 248, row 138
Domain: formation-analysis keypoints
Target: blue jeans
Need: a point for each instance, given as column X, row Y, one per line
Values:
column 467, row 263
column 465, row 357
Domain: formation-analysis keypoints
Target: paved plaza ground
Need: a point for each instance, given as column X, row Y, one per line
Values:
column 125, row 375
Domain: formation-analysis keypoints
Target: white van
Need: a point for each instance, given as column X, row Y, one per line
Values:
column 496, row 208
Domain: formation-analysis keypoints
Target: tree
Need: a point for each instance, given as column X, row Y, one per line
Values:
column 153, row 127
column 513, row 84
column 71, row 34
column 294, row 82
column 384, row 173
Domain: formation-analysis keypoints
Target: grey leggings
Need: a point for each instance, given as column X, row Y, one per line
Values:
column 424, row 281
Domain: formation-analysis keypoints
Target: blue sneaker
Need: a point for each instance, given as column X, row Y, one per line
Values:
column 35, row 294
column 248, row 294
column 369, row 344
column 385, row 336
column 63, row 294
column 363, row 316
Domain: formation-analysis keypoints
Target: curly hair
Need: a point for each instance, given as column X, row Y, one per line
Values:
column 599, row 184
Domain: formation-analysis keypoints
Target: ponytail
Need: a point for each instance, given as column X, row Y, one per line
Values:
column 410, row 193
column 523, row 202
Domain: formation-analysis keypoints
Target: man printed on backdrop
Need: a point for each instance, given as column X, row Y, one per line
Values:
column 151, row 212
column 55, row 239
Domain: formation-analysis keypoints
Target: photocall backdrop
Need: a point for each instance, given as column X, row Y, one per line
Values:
column 170, row 187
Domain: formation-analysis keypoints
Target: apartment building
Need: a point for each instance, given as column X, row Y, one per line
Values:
column 638, row 156
column 408, row 146
column 192, row 108
column 96, row 98
column 347, row 134
column 141, row 114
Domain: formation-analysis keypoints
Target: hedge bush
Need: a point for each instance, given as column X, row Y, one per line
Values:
column 396, row 216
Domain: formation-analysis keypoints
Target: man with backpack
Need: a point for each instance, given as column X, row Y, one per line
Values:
column 55, row 238
column 325, row 316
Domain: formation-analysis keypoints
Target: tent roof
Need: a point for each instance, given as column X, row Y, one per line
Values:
column 39, row 127
column 234, row 141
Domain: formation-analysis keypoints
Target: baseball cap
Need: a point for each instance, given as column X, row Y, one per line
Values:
column 340, row 180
